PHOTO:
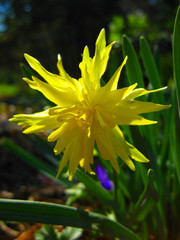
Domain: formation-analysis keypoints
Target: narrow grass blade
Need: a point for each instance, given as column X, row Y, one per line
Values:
column 145, row 203
column 175, row 137
column 176, row 55
column 43, row 147
column 35, row 162
column 40, row 212
column 133, row 68
column 151, row 69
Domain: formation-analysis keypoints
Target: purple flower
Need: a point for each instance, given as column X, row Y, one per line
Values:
column 102, row 175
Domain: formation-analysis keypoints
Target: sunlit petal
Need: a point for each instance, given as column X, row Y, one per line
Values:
column 141, row 91
column 113, row 82
column 57, row 96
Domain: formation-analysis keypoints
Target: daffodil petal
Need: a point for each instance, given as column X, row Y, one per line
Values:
column 136, row 154
column 139, row 107
column 121, row 147
column 113, row 82
column 43, row 125
column 64, row 140
column 125, row 158
column 105, row 58
column 29, row 118
column 58, row 132
column 57, row 96
column 112, row 97
column 65, row 127
column 104, row 117
column 100, row 58
column 124, row 117
column 37, row 122
column 61, row 69
column 76, row 156
column 107, row 154
column 51, row 78
column 86, row 58
column 64, row 160
column 88, row 152
column 119, row 140
column 106, row 147
column 141, row 91
column 85, row 81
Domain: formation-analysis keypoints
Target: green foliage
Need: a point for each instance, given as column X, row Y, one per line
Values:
column 116, row 27
column 71, row 233
column 146, row 202
column 76, row 192
column 134, row 74
column 7, row 90
column 56, row 214
column 137, row 208
column 137, row 22
column 48, row 232
column 176, row 55
column 175, row 117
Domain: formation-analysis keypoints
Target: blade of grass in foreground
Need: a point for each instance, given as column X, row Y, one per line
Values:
column 175, row 118
column 176, row 55
column 151, row 68
column 40, row 212
column 175, row 138
column 134, row 73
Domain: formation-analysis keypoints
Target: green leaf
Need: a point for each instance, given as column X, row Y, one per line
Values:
column 146, row 202
column 41, row 166
column 71, row 233
column 49, row 213
column 133, row 68
column 176, row 55
column 47, row 232
column 175, row 137
column 134, row 74
column 43, row 147
column 150, row 67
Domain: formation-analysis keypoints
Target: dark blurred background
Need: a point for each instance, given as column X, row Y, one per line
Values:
column 45, row 28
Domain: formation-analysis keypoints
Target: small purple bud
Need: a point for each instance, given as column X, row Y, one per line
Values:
column 102, row 175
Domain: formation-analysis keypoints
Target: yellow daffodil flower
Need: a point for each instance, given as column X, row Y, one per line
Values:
column 87, row 112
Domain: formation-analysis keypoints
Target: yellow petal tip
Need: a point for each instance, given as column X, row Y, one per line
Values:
column 56, row 152
column 26, row 55
column 59, row 56
column 70, row 178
